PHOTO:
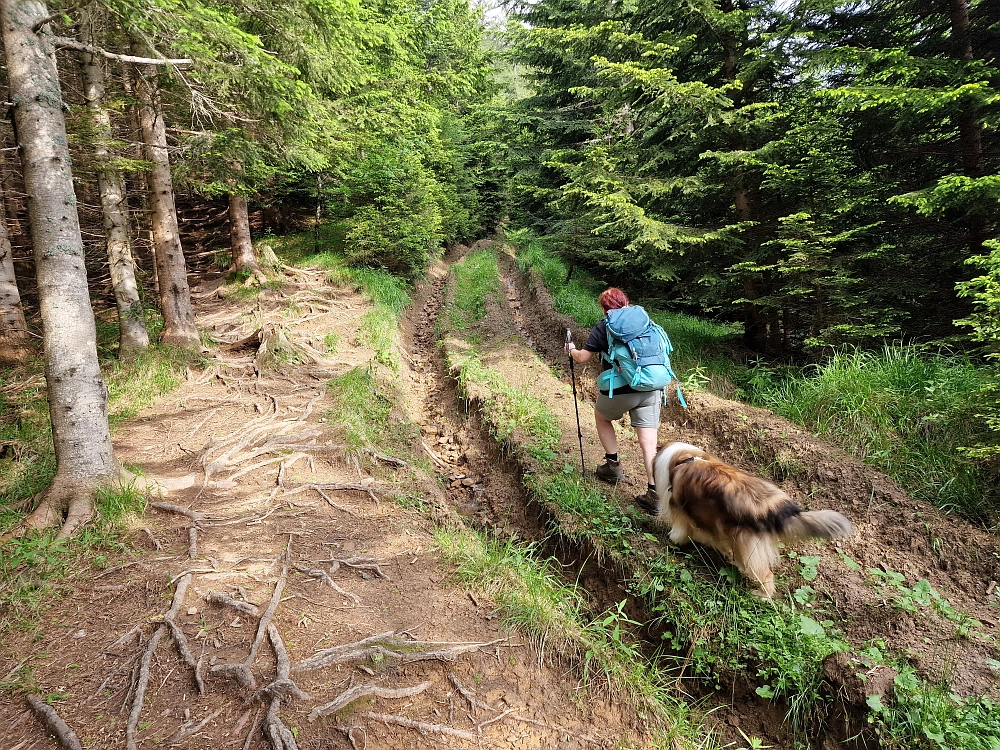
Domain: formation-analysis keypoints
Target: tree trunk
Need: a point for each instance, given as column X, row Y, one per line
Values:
column 171, row 271
column 78, row 398
column 132, row 335
column 239, row 235
column 970, row 127
column 15, row 345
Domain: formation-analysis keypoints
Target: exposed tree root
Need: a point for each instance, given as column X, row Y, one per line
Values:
column 283, row 685
column 324, row 577
column 242, row 671
column 141, row 685
column 178, row 635
column 422, row 726
column 349, row 733
column 357, row 692
column 196, row 519
column 54, row 723
column 389, row 647
column 147, row 658
column 280, row 735
column 359, row 563
column 473, row 702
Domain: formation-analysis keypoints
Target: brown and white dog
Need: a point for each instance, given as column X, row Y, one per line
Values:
column 706, row 500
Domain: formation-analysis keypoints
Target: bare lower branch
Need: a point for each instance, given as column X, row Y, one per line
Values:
column 54, row 723
column 67, row 43
column 357, row 692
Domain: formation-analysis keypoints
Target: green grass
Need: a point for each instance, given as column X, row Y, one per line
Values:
column 514, row 417
column 33, row 568
column 714, row 630
column 904, row 411
column 532, row 599
column 576, row 297
column 363, row 415
column 477, row 280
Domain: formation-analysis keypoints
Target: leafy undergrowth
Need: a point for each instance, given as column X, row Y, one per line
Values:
column 712, row 630
column 902, row 410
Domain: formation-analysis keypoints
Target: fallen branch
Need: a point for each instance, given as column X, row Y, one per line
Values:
column 422, row 726
column 434, row 457
column 357, row 692
column 54, row 723
column 391, row 460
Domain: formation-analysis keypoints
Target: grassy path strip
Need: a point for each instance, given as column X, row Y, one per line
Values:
column 715, row 630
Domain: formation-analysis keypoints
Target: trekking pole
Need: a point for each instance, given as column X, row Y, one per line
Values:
column 576, row 406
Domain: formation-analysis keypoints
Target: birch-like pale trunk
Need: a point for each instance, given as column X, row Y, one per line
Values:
column 133, row 336
column 78, row 398
column 239, row 237
column 15, row 346
column 171, row 271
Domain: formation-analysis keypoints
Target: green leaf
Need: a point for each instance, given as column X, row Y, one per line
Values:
column 809, row 626
column 875, row 703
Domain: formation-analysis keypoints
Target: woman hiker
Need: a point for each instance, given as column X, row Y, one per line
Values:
column 643, row 407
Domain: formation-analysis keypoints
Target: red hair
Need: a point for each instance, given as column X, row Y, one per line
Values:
column 612, row 299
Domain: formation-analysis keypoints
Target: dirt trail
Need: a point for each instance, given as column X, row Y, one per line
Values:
column 284, row 520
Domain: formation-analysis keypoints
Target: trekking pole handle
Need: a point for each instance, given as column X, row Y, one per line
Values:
column 569, row 336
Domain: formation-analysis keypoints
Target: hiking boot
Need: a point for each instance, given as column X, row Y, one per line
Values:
column 610, row 471
column 649, row 503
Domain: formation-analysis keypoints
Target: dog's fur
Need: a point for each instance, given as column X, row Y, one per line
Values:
column 706, row 500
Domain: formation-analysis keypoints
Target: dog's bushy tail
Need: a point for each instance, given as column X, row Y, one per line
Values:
column 816, row 524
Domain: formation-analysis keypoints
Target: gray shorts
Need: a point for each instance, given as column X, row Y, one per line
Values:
column 643, row 408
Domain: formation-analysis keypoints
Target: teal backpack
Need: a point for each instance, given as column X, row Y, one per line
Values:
column 639, row 353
